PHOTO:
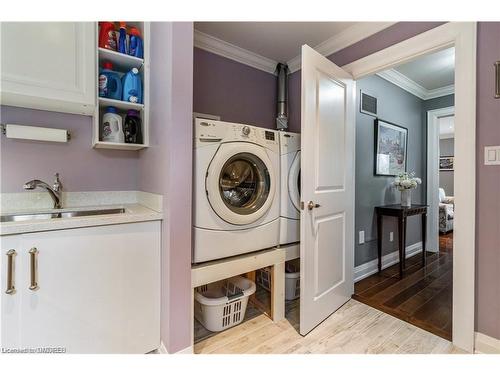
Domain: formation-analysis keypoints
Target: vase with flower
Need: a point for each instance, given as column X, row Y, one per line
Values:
column 404, row 182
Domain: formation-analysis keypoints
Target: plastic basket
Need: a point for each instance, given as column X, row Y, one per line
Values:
column 222, row 305
column 292, row 279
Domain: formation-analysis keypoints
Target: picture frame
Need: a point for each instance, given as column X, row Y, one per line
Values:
column 391, row 146
column 446, row 163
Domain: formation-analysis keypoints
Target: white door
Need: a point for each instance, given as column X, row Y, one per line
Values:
column 12, row 278
column 327, row 168
column 94, row 290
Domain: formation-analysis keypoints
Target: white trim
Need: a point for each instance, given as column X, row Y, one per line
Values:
column 369, row 268
column 486, row 344
column 433, row 137
column 440, row 91
column 347, row 37
column 462, row 35
column 222, row 48
column 188, row 350
column 162, row 349
column 399, row 79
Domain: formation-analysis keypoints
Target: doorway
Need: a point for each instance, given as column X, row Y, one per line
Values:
column 463, row 37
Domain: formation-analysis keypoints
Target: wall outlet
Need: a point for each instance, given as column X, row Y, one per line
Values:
column 391, row 236
column 361, row 236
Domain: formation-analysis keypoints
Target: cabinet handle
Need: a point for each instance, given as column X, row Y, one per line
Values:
column 11, row 289
column 33, row 268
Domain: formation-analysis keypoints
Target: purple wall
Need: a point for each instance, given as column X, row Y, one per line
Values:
column 82, row 168
column 236, row 92
column 166, row 168
column 487, row 184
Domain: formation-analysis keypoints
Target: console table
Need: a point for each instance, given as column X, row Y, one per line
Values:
column 401, row 212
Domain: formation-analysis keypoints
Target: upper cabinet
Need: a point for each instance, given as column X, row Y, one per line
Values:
column 49, row 66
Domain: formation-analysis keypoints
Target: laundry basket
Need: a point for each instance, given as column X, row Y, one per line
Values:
column 292, row 280
column 263, row 278
column 222, row 305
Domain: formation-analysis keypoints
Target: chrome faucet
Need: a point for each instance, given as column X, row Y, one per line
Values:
column 55, row 191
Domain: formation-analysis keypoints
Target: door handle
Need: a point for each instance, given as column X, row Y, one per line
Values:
column 312, row 205
column 33, row 269
column 11, row 288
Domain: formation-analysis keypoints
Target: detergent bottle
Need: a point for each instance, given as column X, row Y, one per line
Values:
column 107, row 36
column 110, row 85
column 112, row 128
column 135, row 47
column 132, row 87
column 122, row 39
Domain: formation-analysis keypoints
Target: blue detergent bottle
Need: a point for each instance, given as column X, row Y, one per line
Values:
column 132, row 87
column 135, row 47
column 110, row 85
column 122, row 38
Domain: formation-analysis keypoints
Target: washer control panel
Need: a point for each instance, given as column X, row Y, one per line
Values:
column 211, row 131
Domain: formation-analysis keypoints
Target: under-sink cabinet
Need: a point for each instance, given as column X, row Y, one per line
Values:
column 85, row 290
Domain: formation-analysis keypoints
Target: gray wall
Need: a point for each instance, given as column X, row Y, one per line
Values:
column 446, row 148
column 402, row 108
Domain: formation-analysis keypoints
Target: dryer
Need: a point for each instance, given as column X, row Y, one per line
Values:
column 236, row 189
column 290, row 187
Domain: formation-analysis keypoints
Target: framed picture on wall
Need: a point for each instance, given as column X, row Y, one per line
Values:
column 391, row 142
column 446, row 163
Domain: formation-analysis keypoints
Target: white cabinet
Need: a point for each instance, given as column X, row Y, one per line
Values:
column 98, row 290
column 49, row 66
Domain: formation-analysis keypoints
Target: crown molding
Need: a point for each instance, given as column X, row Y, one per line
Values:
column 349, row 36
column 402, row 81
column 222, row 48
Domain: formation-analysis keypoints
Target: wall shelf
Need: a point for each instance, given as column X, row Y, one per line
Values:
column 119, row 146
column 120, row 104
column 122, row 63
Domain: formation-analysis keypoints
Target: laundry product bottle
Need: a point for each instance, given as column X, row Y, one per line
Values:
column 110, row 85
column 112, row 129
column 122, row 38
column 132, row 127
column 135, row 47
column 132, row 86
column 107, row 36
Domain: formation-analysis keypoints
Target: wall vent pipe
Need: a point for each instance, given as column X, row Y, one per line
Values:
column 282, row 102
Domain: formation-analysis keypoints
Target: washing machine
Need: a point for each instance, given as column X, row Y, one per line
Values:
column 236, row 189
column 290, row 187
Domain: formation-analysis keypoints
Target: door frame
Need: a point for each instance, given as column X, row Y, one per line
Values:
column 461, row 35
column 433, row 117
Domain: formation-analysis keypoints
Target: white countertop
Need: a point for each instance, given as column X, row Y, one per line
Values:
column 133, row 213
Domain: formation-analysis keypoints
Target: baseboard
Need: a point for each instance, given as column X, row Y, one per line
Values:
column 369, row 268
column 486, row 344
column 163, row 350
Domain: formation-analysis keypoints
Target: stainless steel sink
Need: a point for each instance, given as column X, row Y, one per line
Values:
column 59, row 215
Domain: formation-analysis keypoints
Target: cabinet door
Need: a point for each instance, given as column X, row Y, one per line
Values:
column 9, row 298
column 98, row 290
column 49, row 65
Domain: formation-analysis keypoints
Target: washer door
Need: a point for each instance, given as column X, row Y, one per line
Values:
column 294, row 181
column 240, row 183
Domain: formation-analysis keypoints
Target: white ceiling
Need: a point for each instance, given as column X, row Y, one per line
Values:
column 447, row 127
column 431, row 71
column 279, row 41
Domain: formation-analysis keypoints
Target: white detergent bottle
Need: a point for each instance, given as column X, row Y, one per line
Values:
column 112, row 127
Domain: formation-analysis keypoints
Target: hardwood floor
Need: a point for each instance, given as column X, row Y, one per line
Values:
column 355, row 329
column 423, row 297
